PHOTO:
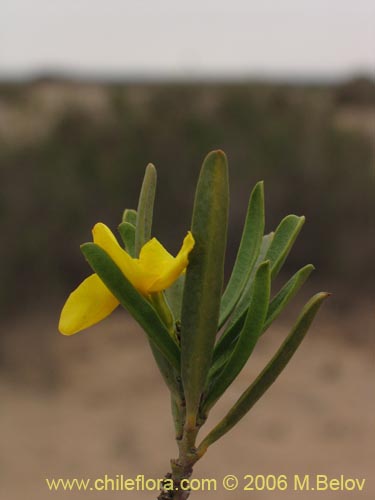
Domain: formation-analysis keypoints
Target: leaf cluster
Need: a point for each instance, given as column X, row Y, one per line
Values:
column 213, row 330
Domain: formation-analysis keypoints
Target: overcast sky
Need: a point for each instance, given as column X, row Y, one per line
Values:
column 191, row 37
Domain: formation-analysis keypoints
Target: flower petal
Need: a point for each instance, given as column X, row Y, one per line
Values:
column 130, row 267
column 153, row 260
column 88, row 304
column 154, row 257
column 173, row 268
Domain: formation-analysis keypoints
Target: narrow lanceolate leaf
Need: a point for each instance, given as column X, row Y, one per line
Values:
column 204, row 279
column 245, row 299
column 225, row 343
column 284, row 238
column 169, row 374
column 174, row 296
column 130, row 216
column 127, row 233
column 145, row 209
column 132, row 301
column 248, row 337
column 224, row 349
column 247, row 253
column 269, row 374
column 285, row 295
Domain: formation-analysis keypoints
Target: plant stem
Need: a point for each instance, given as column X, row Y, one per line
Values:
column 162, row 308
column 182, row 467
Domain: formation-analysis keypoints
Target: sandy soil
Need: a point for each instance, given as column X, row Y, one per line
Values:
column 94, row 404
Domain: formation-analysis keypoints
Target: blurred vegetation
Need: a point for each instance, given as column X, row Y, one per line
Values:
column 72, row 154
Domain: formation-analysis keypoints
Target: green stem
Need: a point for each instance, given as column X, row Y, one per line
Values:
column 178, row 416
column 162, row 308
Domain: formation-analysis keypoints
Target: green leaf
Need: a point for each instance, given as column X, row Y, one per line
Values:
column 269, row 374
column 244, row 301
column 285, row 295
column 248, row 337
column 204, row 279
column 169, row 374
column 230, row 335
column 275, row 247
column 174, row 296
column 284, row 238
column 145, row 209
column 226, row 344
column 247, row 253
column 130, row 216
column 132, row 301
column 127, row 233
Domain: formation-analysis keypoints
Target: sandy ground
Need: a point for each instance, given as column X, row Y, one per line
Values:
column 94, row 404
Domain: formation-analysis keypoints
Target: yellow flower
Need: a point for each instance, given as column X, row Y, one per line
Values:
column 154, row 271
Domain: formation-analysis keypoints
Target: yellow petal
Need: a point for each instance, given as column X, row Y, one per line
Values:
column 104, row 237
column 153, row 260
column 173, row 268
column 86, row 305
column 154, row 257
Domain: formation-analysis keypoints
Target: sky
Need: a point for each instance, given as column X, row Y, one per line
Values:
column 318, row 38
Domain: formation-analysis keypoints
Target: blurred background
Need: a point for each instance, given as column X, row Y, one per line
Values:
column 89, row 94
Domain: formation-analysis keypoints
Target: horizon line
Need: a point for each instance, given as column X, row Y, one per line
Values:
column 188, row 76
